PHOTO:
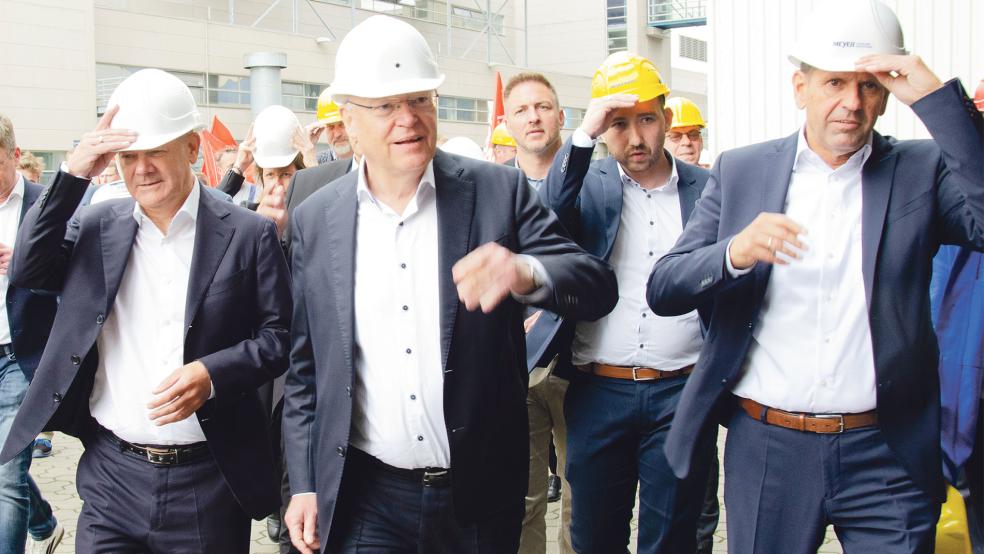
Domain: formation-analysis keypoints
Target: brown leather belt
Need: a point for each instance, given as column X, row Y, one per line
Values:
column 811, row 423
column 633, row 373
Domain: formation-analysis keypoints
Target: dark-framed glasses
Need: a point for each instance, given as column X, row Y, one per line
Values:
column 415, row 104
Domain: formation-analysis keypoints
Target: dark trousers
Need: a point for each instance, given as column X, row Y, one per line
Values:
column 381, row 512
column 132, row 506
column 783, row 487
column 711, row 512
column 616, row 430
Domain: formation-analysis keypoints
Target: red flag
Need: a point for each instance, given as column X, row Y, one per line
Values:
column 208, row 159
column 215, row 142
column 496, row 116
column 222, row 133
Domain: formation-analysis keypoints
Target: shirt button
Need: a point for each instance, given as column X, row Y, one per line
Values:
column 405, row 308
column 650, row 252
column 409, row 351
column 403, row 266
column 413, row 397
column 652, row 223
column 420, row 438
column 641, row 346
column 643, row 314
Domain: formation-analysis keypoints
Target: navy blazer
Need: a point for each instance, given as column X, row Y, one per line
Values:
column 30, row 314
column 587, row 197
column 236, row 323
column 483, row 355
column 916, row 195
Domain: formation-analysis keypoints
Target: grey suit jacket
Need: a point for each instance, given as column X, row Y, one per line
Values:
column 483, row 355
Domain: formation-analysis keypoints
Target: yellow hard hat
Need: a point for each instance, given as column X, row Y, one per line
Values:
column 501, row 136
column 685, row 113
column 628, row 73
column 328, row 110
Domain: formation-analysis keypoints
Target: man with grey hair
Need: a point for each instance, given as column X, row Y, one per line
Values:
column 405, row 418
column 175, row 307
column 25, row 323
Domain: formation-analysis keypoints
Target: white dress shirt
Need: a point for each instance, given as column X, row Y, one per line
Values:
column 398, row 398
column 142, row 339
column 811, row 349
column 632, row 335
column 10, row 212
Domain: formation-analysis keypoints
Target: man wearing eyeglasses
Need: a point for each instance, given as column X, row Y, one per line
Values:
column 684, row 139
column 405, row 417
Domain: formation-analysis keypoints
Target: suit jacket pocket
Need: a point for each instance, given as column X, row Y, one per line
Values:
column 923, row 200
column 226, row 283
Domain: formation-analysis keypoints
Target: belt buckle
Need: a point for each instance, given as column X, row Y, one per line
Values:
column 432, row 478
column 635, row 375
column 840, row 421
column 162, row 456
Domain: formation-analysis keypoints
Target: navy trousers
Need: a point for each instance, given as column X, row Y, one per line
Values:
column 379, row 512
column 616, row 430
column 132, row 506
column 783, row 487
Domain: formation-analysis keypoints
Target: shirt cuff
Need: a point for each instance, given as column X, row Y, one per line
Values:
column 302, row 494
column 731, row 269
column 64, row 169
column 581, row 139
column 541, row 276
column 211, row 394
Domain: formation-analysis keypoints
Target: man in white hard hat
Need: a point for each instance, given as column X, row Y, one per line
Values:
column 816, row 251
column 175, row 306
column 405, row 407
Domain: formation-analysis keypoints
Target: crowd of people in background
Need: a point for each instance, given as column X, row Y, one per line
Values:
column 406, row 343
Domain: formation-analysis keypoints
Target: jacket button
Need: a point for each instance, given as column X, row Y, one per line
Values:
column 100, row 319
column 348, row 391
column 76, row 360
column 56, row 397
column 341, row 451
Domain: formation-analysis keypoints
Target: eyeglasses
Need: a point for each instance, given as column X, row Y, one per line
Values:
column 694, row 136
column 414, row 104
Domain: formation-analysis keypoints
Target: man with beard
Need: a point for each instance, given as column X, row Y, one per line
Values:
column 630, row 365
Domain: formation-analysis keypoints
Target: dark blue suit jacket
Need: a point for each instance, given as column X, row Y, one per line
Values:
column 916, row 195
column 30, row 314
column 587, row 197
column 483, row 355
column 236, row 323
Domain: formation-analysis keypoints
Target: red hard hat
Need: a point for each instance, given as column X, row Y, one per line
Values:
column 979, row 96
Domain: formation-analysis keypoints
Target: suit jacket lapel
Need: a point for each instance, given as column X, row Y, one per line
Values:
column 876, row 189
column 31, row 193
column 455, row 210
column 686, row 191
column 611, row 184
column 774, row 174
column 339, row 267
column 212, row 237
column 116, row 234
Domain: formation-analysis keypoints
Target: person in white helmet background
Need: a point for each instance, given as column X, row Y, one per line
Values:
column 276, row 147
column 816, row 251
column 175, row 307
column 405, row 418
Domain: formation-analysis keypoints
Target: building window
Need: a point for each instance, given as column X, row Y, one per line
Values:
column 301, row 97
column 617, row 28
column 573, row 117
column 692, row 48
column 456, row 108
column 228, row 90
column 108, row 76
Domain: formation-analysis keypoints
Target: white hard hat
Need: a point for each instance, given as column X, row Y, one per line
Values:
column 273, row 129
column 463, row 146
column 383, row 56
column 838, row 33
column 157, row 105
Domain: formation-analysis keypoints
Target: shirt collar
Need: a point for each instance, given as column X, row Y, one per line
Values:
column 362, row 186
column 187, row 210
column 669, row 186
column 806, row 157
column 18, row 190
